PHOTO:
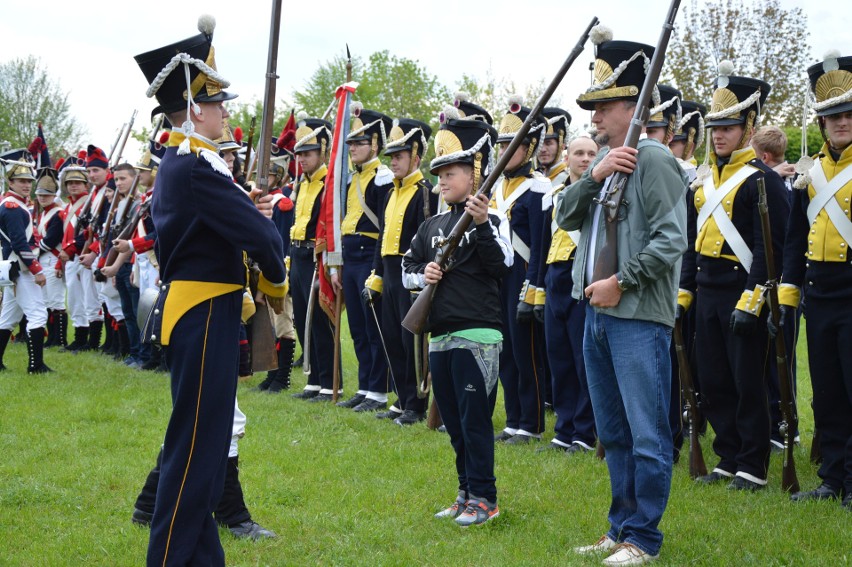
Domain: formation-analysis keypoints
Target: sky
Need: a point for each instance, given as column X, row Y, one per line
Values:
column 89, row 49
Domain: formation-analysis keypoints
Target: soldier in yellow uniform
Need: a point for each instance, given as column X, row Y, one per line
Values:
column 518, row 195
column 564, row 316
column 816, row 265
column 408, row 204
column 370, row 183
column 729, row 275
column 313, row 137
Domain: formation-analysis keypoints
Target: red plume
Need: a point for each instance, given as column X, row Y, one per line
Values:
column 81, row 157
column 58, row 165
column 36, row 147
column 164, row 137
column 238, row 135
column 287, row 139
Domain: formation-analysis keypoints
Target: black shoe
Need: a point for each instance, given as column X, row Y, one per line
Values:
column 847, row 502
column 251, row 530
column 306, row 394
column 503, row 436
column 740, row 483
column 410, row 417
column 352, row 402
column 321, row 398
column 550, row 447
column 520, row 439
column 263, row 386
column 369, row 405
column 821, row 492
column 577, row 447
column 392, row 413
column 142, row 518
column 278, row 384
column 712, row 478
column 42, row 369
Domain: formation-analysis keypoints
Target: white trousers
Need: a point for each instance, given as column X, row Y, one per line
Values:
column 149, row 275
column 54, row 289
column 108, row 294
column 83, row 304
column 24, row 298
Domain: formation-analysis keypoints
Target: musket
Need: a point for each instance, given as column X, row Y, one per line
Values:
column 115, row 143
column 690, row 414
column 247, row 162
column 269, row 99
column 607, row 260
column 125, row 231
column 415, row 319
column 338, row 297
column 126, row 134
column 109, row 228
column 789, row 418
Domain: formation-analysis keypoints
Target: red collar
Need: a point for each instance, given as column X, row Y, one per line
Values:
column 14, row 195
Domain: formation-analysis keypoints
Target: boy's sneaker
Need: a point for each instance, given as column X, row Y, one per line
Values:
column 603, row 544
column 628, row 554
column 477, row 512
column 455, row 510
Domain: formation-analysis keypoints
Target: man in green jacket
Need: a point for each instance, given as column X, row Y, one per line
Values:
column 630, row 315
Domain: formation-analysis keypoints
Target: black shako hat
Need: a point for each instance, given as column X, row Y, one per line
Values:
column 165, row 69
column 408, row 134
column 831, row 83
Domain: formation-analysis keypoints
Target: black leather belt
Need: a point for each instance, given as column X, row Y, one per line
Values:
column 302, row 243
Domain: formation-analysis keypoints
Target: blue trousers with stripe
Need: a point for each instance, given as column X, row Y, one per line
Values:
column 202, row 355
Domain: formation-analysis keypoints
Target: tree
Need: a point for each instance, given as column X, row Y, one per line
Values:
column 493, row 94
column 396, row 86
column 794, row 142
column 28, row 95
column 763, row 41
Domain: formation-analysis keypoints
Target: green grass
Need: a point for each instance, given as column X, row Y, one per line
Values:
column 346, row 489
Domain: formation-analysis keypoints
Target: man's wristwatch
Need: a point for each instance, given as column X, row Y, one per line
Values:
column 622, row 285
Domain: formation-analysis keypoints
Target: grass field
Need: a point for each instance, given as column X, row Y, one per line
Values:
column 346, row 489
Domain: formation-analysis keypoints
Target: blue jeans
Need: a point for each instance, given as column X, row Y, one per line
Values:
column 629, row 374
column 129, row 295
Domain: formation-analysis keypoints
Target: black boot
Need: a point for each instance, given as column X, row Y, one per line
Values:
column 52, row 328
column 155, row 360
column 232, row 512
column 81, row 335
column 286, row 348
column 110, row 344
column 94, row 341
column 5, row 334
column 21, row 337
column 35, row 348
column 61, row 328
column 122, row 340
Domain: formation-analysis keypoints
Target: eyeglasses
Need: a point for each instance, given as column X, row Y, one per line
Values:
column 360, row 143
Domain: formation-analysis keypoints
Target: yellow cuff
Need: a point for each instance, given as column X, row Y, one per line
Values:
column 272, row 290
column 685, row 298
column 248, row 308
column 374, row 282
column 789, row 295
column 530, row 295
column 752, row 301
column 540, row 295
